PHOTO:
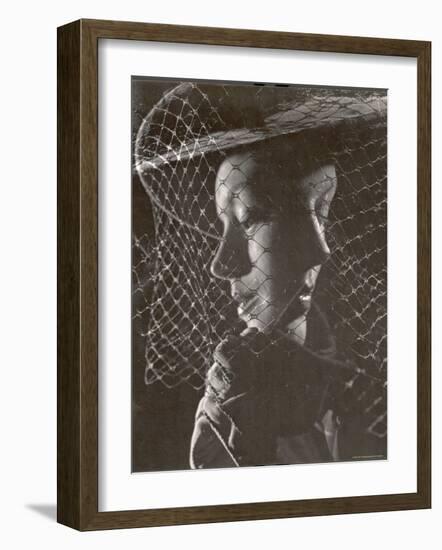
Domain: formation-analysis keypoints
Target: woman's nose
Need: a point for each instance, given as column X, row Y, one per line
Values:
column 231, row 260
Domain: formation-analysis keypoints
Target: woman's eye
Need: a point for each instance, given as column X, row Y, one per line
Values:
column 248, row 223
column 254, row 217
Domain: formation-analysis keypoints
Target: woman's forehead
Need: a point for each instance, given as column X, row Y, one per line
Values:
column 234, row 177
column 234, row 192
column 237, row 168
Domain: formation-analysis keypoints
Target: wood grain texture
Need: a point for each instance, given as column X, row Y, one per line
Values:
column 78, row 291
column 89, row 277
column 424, row 274
column 252, row 38
column 68, row 276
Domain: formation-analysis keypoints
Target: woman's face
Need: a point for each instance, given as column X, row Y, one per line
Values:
column 273, row 241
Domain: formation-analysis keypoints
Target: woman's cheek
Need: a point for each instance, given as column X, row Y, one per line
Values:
column 261, row 249
column 265, row 237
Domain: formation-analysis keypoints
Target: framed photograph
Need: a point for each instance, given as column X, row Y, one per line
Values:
column 243, row 275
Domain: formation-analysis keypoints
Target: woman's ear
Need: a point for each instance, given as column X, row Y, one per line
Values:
column 326, row 191
column 318, row 189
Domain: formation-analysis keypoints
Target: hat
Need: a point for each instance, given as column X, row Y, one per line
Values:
column 193, row 118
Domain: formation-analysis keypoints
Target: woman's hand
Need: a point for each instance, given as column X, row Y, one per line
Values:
column 239, row 364
column 258, row 388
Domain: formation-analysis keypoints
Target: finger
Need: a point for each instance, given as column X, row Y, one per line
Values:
column 226, row 349
column 218, row 380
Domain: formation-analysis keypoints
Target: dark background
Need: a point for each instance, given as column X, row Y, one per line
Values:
column 162, row 418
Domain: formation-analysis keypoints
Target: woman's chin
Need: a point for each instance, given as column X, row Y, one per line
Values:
column 267, row 323
column 296, row 328
column 257, row 324
column 280, row 317
column 297, row 310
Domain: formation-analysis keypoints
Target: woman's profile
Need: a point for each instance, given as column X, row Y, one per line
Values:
column 243, row 183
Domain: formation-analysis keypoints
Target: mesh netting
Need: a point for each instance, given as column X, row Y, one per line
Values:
column 184, row 310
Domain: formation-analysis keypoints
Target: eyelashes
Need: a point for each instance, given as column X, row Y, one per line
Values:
column 254, row 218
column 248, row 223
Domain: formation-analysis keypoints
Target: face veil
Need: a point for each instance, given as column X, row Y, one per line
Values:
column 181, row 311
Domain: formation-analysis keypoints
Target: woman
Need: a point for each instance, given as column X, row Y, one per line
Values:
column 276, row 391
column 269, row 408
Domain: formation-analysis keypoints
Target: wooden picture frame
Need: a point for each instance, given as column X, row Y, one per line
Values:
column 78, row 274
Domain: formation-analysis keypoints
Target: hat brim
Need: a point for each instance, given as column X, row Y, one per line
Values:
column 290, row 118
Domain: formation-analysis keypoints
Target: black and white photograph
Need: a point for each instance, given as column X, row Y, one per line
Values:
column 219, row 254
column 259, row 262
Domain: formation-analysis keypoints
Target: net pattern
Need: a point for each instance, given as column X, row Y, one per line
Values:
column 183, row 311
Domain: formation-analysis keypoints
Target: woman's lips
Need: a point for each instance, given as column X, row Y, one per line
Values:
column 247, row 304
